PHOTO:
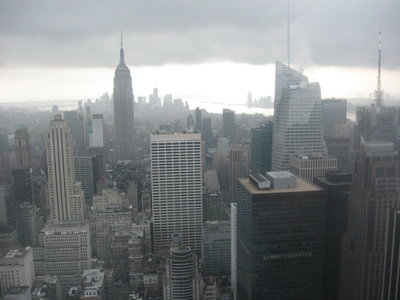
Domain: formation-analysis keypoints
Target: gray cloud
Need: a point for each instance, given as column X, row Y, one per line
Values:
column 80, row 33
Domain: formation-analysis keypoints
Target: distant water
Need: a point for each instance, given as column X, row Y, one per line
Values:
column 211, row 107
column 243, row 109
column 238, row 108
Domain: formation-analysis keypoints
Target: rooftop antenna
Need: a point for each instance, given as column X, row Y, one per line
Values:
column 288, row 33
column 379, row 92
column 121, row 41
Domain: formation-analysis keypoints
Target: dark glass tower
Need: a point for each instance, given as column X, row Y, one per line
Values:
column 337, row 188
column 280, row 238
column 261, row 148
column 123, row 110
column 229, row 125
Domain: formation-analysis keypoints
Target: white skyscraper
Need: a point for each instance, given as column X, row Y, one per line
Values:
column 96, row 134
column 176, row 180
column 65, row 195
column 297, row 117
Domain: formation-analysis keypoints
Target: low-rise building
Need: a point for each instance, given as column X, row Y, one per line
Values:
column 311, row 166
column 64, row 250
column 16, row 269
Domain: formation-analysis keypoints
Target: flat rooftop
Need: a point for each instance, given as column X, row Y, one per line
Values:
column 302, row 186
column 54, row 227
column 174, row 136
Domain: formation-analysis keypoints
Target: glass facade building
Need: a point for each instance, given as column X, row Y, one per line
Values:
column 280, row 241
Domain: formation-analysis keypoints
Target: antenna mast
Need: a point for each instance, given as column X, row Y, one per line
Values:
column 379, row 92
column 288, row 33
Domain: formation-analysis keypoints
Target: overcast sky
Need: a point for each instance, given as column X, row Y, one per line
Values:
column 77, row 38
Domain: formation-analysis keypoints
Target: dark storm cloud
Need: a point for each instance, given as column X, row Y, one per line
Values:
column 85, row 33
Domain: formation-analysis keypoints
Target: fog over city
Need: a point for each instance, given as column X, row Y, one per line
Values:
column 199, row 150
column 213, row 50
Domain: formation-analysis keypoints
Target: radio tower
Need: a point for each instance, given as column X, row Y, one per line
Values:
column 288, row 33
column 379, row 92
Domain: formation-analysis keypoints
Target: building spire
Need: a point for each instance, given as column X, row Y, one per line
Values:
column 379, row 92
column 121, row 55
column 288, row 33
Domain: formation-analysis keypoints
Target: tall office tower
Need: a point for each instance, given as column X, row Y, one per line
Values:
column 154, row 99
column 97, row 134
column 197, row 120
column 297, row 119
column 261, row 148
column 391, row 274
column 249, row 99
column 23, row 185
column 334, row 115
column 234, row 250
column 206, row 132
column 236, row 167
column 374, row 191
column 337, row 188
column 66, row 197
column 16, row 269
column 217, row 248
column 88, row 121
column 3, row 140
column 22, row 172
column 190, row 122
column 8, row 207
column 280, row 234
column 182, row 279
column 84, row 174
column 229, row 125
column 123, row 110
column 28, row 224
column 176, row 183
column 311, row 166
column 75, row 122
column 64, row 250
column 22, row 148
column 285, row 76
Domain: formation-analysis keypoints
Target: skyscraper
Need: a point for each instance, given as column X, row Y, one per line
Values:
column 236, row 167
column 261, row 148
column 333, row 115
column 197, row 120
column 182, row 279
column 123, row 110
column 75, row 122
column 391, row 275
column 285, row 76
column 97, row 134
column 280, row 238
column 337, row 188
column 228, row 124
column 176, row 182
column 22, row 148
column 374, row 191
column 84, row 172
column 22, row 172
column 297, row 118
column 65, row 195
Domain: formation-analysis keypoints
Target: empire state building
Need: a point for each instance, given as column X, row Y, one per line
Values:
column 123, row 110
